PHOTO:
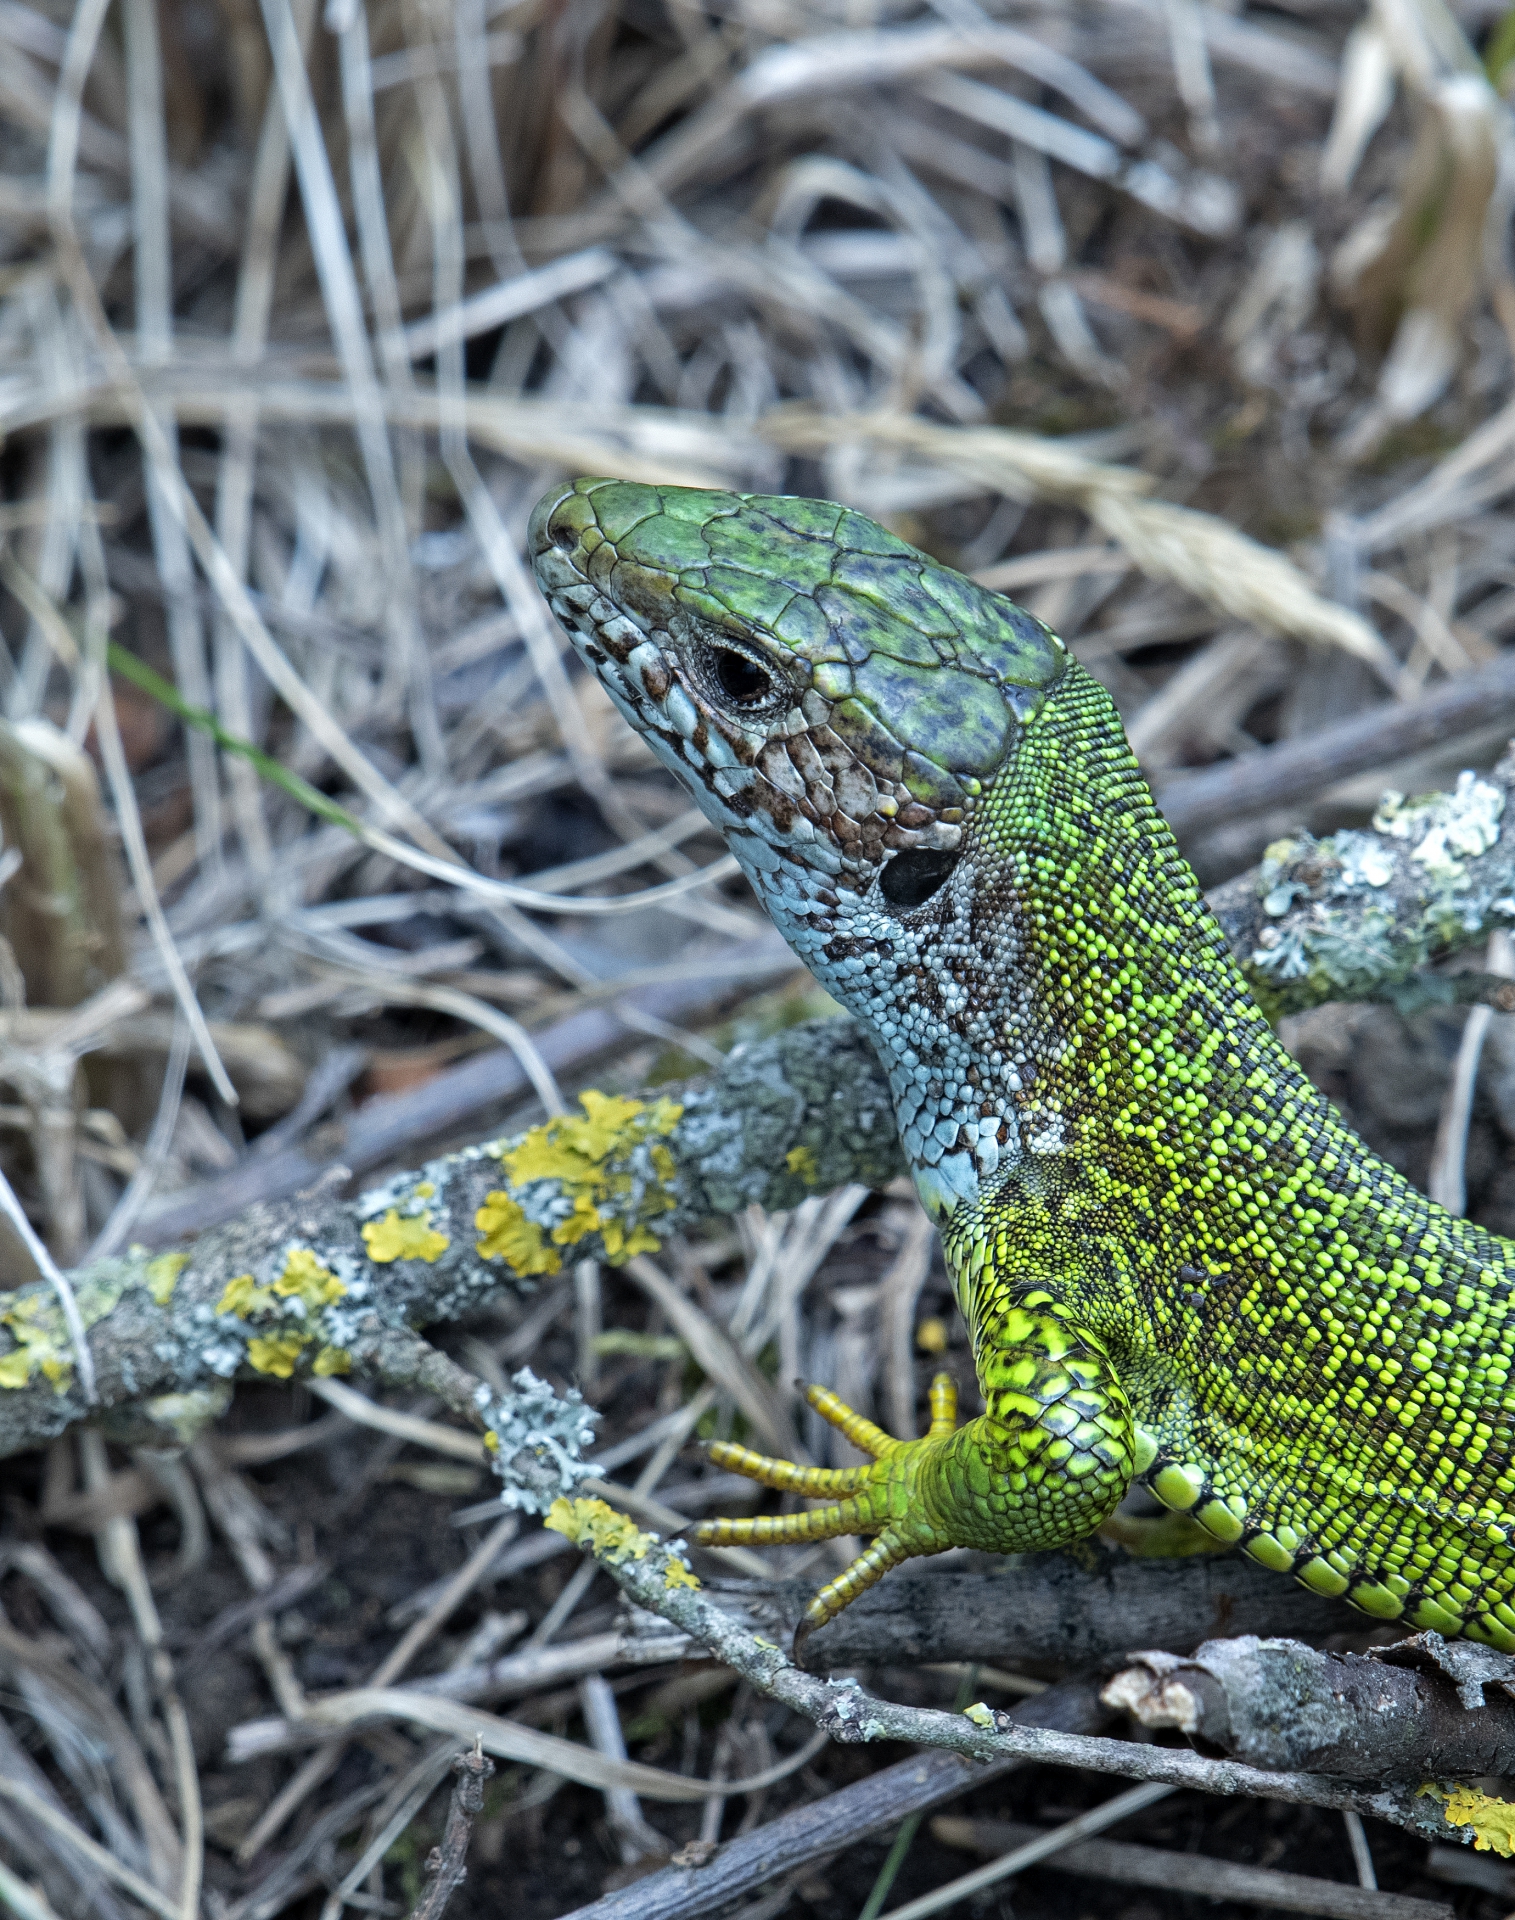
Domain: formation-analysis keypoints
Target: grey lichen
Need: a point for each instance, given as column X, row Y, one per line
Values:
column 1363, row 914
column 537, row 1439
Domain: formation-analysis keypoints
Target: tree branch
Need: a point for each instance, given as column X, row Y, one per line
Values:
column 655, row 1577
column 1397, row 1712
column 1358, row 916
column 1076, row 1608
column 1080, row 1609
column 1361, row 915
column 328, row 1285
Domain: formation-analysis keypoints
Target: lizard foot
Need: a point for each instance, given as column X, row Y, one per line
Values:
column 882, row 1498
column 1050, row 1457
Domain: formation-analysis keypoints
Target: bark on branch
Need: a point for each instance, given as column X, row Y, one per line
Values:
column 329, row 1283
column 1396, row 1713
column 1078, row 1609
column 655, row 1577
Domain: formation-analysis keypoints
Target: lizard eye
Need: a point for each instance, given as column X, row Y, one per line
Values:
column 743, row 680
column 737, row 678
column 913, row 876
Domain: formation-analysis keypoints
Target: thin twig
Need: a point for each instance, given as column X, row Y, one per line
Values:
column 1189, row 1873
column 446, row 1863
column 1120, row 1807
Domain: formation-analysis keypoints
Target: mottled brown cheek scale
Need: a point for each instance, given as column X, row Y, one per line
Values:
column 1175, row 1261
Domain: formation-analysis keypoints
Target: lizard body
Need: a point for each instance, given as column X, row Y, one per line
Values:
column 1175, row 1260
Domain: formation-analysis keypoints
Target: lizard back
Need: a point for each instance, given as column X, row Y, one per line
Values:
column 1317, row 1355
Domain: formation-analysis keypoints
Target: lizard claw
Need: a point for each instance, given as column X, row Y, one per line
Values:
column 874, row 1499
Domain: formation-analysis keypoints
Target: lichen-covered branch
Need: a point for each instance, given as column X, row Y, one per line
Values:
column 1361, row 915
column 656, row 1576
column 324, row 1284
column 1394, row 1713
column 327, row 1285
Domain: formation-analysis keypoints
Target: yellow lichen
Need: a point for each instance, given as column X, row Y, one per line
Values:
column 38, row 1353
column 163, row 1274
column 980, row 1715
column 573, row 1148
column 425, row 1190
column 277, row 1355
column 37, row 1343
column 244, row 1297
column 506, row 1232
column 676, row 1574
column 607, row 1534
column 619, row 1243
column 397, row 1238
column 585, row 1218
column 802, row 1160
column 584, row 1153
column 305, row 1278
column 43, row 1341
column 331, row 1360
column 1492, row 1821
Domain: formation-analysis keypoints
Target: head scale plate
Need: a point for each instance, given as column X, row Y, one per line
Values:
column 897, row 688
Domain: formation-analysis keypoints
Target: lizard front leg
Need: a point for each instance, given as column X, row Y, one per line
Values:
column 1050, row 1458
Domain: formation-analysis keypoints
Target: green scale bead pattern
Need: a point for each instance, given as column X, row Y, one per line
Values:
column 1318, row 1356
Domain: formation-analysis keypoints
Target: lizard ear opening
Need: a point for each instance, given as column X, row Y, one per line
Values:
column 911, row 877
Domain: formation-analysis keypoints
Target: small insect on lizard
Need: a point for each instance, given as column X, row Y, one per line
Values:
column 1175, row 1261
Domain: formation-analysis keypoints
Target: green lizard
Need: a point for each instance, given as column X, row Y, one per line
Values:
column 1176, row 1263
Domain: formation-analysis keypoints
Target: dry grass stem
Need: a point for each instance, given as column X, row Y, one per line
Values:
column 1189, row 326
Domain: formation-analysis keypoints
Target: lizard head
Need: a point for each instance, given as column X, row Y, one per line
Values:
column 838, row 702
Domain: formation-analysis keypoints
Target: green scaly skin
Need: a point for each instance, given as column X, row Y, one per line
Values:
column 1176, row 1262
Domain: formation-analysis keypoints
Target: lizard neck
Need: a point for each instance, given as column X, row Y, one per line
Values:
column 1064, row 1010
column 1132, row 1023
